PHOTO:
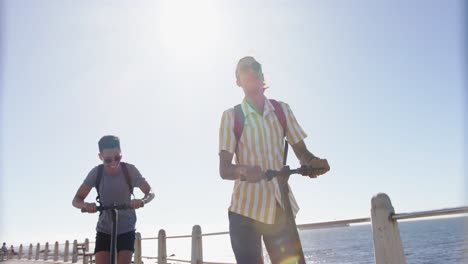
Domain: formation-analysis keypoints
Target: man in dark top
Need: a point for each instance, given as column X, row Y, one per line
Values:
column 114, row 181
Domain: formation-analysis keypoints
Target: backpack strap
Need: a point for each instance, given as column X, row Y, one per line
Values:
column 239, row 120
column 280, row 114
column 98, row 182
column 123, row 165
column 283, row 121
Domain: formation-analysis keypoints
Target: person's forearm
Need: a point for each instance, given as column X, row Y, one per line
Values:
column 230, row 171
column 302, row 153
column 78, row 202
column 306, row 157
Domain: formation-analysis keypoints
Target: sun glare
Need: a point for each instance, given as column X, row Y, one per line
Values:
column 189, row 28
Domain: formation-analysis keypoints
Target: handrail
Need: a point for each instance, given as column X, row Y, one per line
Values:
column 187, row 236
column 182, row 236
column 446, row 211
column 150, row 238
column 333, row 223
column 325, row 224
column 179, row 260
column 216, row 233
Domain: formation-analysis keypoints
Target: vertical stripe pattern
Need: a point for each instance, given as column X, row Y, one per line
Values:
column 261, row 144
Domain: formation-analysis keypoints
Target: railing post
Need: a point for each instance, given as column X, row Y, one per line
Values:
column 197, row 247
column 38, row 248
column 46, row 251
column 74, row 252
column 86, row 242
column 56, row 251
column 66, row 252
column 20, row 251
column 30, row 251
column 86, row 249
column 162, row 252
column 137, row 254
column 388, row 248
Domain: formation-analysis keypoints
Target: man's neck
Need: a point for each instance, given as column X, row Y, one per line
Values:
column 257, row 101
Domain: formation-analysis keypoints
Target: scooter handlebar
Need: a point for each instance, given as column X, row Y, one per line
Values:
column 286, row 171
column 112, row 207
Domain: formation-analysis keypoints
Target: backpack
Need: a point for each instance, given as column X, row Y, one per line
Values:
column 239, row 120
column 123, row 165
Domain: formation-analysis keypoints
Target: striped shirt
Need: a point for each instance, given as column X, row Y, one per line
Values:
column 262, row 144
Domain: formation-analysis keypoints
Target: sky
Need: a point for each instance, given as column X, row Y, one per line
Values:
column 378, row 86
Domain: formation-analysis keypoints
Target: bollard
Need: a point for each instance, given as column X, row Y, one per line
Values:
column 74, row 252
column 86, row 249
column 137, row 254
column 197, row 247
column 30, row 251
column 38, row 248
column 56, row 251
column 46, row 251
column 20, row 251
column 66, row 252
column 162, row 252
column 387, row 241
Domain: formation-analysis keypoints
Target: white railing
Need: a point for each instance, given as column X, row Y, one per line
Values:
column 388, row 247
column 79, row 250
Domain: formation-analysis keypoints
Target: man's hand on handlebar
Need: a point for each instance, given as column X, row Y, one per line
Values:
column 89, row 207
column 251, row 174
column 320, row 167
column 136, row 203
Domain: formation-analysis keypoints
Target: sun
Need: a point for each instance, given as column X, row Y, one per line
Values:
column 189, row 28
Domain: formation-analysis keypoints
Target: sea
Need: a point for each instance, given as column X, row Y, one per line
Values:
column 428, row 241
column 432, row 241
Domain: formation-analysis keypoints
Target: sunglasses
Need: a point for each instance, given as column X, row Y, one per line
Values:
column 116, row 158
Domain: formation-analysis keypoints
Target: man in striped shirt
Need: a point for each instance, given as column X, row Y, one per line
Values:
column 256, row 209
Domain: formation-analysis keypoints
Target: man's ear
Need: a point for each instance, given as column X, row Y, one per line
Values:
column 238, row 82
column 100, row 156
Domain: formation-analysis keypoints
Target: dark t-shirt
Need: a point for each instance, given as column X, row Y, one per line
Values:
column 114, row 189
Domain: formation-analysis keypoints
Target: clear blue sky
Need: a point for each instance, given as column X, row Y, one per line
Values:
column 377, row 85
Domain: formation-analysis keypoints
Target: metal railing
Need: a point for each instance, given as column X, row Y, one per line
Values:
column 447, row 211
column 388, row 247
column 42, row 252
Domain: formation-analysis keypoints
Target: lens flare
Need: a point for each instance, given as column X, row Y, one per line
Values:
column 290, row 260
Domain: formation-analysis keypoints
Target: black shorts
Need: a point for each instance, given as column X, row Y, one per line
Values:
column 125, row 241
